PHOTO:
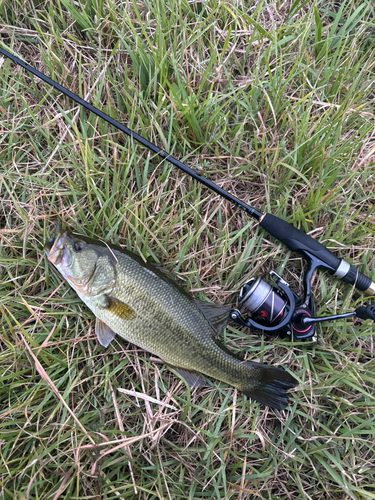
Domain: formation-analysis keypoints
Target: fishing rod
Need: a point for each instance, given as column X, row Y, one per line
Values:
column 273, row 310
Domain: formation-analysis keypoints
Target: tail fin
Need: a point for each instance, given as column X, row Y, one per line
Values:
column 270, row 386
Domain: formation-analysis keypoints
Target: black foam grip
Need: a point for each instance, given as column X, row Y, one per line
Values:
column 298, row 241
column 359, row 280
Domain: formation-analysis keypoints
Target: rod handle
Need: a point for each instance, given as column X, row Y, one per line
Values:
column 300, row 242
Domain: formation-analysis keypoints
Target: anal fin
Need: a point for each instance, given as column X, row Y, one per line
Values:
column 193, row 379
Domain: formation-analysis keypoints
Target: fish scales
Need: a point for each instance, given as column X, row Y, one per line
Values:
column 189, row 335
column 145, row 306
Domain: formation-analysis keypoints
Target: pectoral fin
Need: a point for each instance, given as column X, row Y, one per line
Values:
column 117, row 307
column 104, row 333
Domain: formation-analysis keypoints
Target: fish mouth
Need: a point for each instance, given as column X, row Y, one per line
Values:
column 56, row 249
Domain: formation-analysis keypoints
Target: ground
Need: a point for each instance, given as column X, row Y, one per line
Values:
column 273, row 101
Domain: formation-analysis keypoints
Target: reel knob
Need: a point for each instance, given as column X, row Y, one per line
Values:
column 366, row 312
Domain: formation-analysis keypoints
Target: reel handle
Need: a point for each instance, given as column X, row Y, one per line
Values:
column 300, row 242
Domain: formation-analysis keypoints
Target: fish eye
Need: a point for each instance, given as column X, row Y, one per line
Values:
column 78, row 246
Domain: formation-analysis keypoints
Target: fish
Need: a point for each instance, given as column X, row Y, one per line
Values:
column 145, row 305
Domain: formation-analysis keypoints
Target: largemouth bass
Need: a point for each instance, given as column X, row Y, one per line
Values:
column 146, row 306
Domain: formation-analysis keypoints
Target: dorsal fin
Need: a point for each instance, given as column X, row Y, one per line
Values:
column 216, row 315
column 164, row 273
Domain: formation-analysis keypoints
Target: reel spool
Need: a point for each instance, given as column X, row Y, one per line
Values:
column 266, row 304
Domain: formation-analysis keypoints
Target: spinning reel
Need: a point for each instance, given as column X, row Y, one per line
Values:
column 278, row 310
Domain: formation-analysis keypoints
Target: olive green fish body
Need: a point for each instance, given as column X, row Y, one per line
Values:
column 145, row 306
column 162, row 319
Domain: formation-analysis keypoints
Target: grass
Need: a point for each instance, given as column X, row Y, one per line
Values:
column 272, row 100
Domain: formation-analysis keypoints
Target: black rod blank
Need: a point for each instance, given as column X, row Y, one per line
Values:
column 211, row 185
